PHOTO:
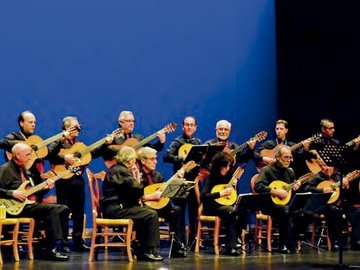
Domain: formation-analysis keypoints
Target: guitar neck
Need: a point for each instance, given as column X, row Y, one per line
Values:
column 145, row 141
column 92, row 147
column 49, row 140
column 302, row 180
column 230, row 184
column 41, row 186
column 351, row 143
column 239, row 149
column 296, row 146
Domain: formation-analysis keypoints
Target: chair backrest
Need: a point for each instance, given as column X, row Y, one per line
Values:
column 252, row 183
column 197, row 194
column 95, row 191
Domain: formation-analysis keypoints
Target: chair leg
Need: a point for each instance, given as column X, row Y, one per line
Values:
column 216, row 236
column 128, row 240
column 15, row 241
column 268, row 236
column 198, row 237
column 30, row 239
column 93, row 243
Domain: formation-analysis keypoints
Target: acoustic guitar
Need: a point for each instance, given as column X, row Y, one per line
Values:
column 229, row 199
column 313, row 164
column 162, row 202
column 15, row 207
column 278, row 184
column 336, row 186
column 271, row 152
column 82, row 153
column 38, row 146
column 134, row 143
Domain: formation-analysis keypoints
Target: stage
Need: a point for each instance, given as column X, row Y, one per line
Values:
column 308, row 258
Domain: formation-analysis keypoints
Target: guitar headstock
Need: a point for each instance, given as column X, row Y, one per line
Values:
column 170, row 127
column 238, row 172
column 117, row 133
column 306, row 177
column 260, row 136
column 74, row 129
column 352, row 175
column 189, row 166
column 74, row 169
column 316, row 138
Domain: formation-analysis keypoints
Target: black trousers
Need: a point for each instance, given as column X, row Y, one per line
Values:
column 174, row 215
column 190, row 203
column 146, row 222
column 71, row 192
column 55, row 218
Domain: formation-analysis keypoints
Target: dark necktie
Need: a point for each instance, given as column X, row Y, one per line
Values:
column 149, row 179
column 24, row 179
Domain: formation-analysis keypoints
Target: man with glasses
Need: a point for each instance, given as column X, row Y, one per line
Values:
column 126, row 122
column 280, row 170
column 172, row 155
column 147, row 158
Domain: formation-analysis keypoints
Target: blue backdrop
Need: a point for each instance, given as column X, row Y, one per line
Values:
column 160, row 59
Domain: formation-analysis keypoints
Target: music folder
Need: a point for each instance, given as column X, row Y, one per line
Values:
column 178, row 188
column 211, row 151
column 196, row 153
column 298, row 202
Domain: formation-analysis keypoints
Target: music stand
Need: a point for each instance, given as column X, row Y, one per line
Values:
column 211, row 151
column 246, row 203
column 178, row 188
column 196, row 153
column 333, row 155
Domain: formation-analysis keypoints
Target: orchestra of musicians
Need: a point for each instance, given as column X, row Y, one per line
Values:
column 326, row 170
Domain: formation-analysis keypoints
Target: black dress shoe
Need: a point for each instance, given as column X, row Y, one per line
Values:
column 232, row 252
column 150, row 257
column 56, row 256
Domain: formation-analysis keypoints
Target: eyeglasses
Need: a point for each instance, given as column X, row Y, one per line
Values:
column 189, row 125
column 331, row 128
column 151, row 158
column 129, row 121
column 287, row 157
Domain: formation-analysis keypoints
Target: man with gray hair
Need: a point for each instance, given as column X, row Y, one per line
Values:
column 147, row 158
column 122, row 193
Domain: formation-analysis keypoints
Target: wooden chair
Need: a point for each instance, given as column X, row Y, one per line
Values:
column 10, row 242
column 103, row 228
column 263, row 224
column 26, row 234
column 206, row 223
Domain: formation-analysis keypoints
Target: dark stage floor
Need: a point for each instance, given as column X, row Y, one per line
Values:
column 308, row 258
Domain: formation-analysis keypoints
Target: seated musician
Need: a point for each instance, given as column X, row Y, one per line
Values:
column 219, row 174
column 280, row 170
column 54, row 216
column 122, row 193
column 148, row 159
column 332, row 213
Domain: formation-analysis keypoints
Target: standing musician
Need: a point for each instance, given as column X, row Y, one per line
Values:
column 173, row 155
column 70, row 192
column 223, row 129
column 122, row 193
column 27, row 124
column 126, row 122
column 54, row 216
column 148, row 159
column 280, row 170
column 219, row 174
column 281, row 130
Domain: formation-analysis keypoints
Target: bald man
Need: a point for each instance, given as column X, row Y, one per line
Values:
column 54, row 216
